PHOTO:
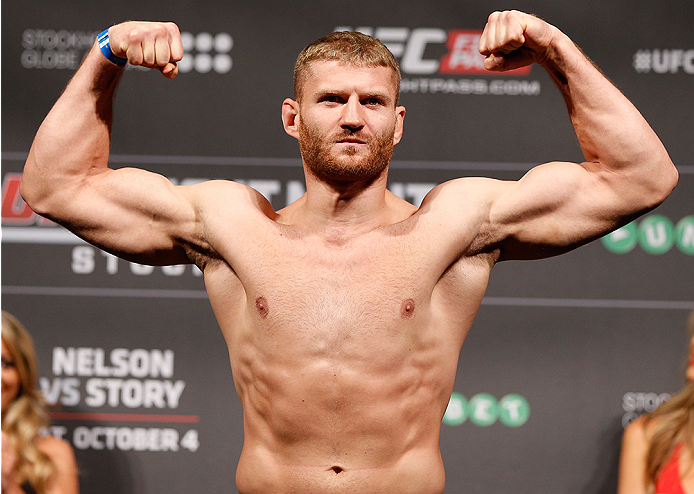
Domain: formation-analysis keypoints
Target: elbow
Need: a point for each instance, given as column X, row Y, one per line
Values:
column 658, row 184
column 667, row 182
column 33, row 192
column 27, row 190
column 674, row 177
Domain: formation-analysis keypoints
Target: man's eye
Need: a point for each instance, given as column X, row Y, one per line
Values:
column 373, row 102
column 331, row 99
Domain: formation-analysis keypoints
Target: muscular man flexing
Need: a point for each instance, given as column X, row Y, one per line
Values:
column 345, row 312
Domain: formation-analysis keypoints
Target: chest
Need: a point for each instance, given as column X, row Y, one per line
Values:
column 323, row 299
column 378, row 292
column 357, row 285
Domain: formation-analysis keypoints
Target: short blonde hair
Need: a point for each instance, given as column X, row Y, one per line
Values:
column 349, row 47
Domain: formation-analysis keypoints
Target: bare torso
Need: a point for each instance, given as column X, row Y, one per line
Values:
column 343, row 349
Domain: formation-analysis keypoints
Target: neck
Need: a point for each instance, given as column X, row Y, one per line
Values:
column 344, row 210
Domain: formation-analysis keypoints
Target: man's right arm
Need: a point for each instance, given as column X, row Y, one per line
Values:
column 133, row 213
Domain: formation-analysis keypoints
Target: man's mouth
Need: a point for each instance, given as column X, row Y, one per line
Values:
column 351, row 140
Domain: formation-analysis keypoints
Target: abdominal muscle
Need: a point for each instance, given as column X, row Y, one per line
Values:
column 351, row 439
column 363, row 417
column 418, row 472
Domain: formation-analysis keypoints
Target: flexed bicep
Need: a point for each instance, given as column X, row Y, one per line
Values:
column 627, row 171
column 135, row 214
column 555, row 208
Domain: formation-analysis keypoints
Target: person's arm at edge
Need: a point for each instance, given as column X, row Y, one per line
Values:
column 130, row 212
column 632, row 459
column 65, row 479
column 627, row 171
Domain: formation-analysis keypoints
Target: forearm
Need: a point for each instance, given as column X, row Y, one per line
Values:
column 73, row 140
column 614, row 136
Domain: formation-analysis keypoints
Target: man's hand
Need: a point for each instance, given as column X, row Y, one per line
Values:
column 512, row 39
column 156, row 45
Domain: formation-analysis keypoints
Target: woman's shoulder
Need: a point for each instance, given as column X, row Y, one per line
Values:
column 58, row 450
column 50, row 444
column 640, row 430
column 65, row 478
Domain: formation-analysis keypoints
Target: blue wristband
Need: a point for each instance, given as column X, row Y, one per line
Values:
column 105, row 48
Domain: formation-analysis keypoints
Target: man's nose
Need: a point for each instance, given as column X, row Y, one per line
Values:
column 352, row 116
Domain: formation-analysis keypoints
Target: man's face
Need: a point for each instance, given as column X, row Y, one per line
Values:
column 348, row 122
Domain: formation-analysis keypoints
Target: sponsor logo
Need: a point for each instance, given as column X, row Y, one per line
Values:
column 664, row 61
column 655, row 234
column 417, row 50
column 205, row 53
column 55, row 49
column 65, row 49
column 483, row 410
column 637, row 403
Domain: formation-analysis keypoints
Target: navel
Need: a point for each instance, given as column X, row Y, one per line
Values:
column 261, row 305
column 407, row 308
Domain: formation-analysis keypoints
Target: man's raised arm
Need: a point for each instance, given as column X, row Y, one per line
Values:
column 133, row 213
column 558, row 206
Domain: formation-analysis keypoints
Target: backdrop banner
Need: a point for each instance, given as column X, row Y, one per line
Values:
column 564, row 352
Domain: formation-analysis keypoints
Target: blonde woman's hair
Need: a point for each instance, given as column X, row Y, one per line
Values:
column 349, row 47
column 25, row 416
column 673, row 424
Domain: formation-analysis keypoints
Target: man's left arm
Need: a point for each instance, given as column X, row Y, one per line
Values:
column 558, row 206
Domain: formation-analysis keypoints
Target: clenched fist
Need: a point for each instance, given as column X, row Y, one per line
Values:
column 513, row 39
column 156, row 45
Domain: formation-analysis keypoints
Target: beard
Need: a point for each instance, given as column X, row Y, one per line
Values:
column 347, row 166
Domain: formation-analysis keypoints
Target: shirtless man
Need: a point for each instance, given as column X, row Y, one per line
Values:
column 345, row 312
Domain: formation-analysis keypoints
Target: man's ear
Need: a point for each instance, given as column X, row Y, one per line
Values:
column 399, row 124
column 290, row 117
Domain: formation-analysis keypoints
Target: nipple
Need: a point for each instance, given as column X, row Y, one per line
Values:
column 261, row 305
column 407, row 308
